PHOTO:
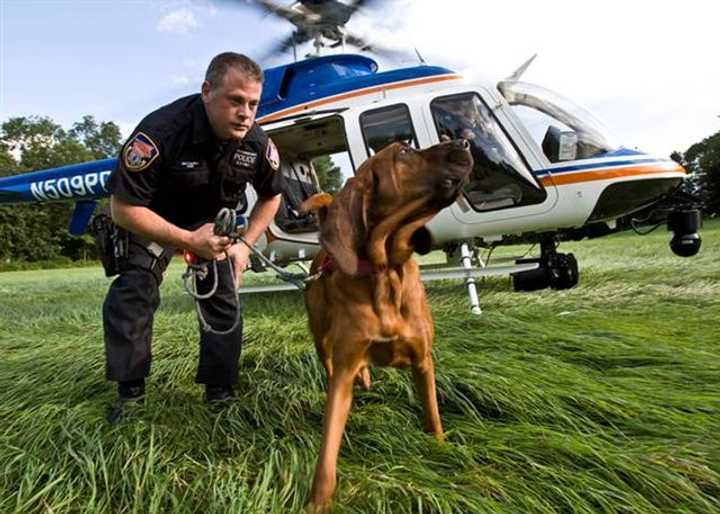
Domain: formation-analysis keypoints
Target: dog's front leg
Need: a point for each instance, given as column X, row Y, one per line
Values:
column 424, row 375
column 337, row 409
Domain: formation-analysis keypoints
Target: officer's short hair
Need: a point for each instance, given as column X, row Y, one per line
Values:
column 221, row 63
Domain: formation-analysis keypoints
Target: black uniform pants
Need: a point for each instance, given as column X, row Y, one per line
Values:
column 128, row 314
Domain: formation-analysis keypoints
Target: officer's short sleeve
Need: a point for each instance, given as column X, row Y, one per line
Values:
column 268, row 180
column 136, row 176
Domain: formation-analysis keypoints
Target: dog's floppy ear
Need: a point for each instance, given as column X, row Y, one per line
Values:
column 411, row 237
column 344, row 230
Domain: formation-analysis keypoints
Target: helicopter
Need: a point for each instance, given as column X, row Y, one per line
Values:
column 545, row 170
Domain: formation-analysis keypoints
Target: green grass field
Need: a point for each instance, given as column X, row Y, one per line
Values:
column 604, row 398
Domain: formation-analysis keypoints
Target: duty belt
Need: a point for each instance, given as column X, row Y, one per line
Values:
column 150, row 256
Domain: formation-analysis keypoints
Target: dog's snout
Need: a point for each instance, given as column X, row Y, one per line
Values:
column 459, row 152
column 458, row 144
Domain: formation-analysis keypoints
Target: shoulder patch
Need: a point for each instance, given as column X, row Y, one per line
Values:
column 272, row 155
column 139, row 152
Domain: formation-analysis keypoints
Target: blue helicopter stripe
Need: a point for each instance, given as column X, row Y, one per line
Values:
column 84, row 210
column 78, row 181
column 595, row 165
column 346, row 85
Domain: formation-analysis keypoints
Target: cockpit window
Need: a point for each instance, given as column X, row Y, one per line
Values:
column 500, row 177
column 381, row 127
column 564, row 130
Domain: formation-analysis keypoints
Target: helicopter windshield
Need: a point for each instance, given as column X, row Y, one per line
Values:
column 500, row 178
column 564, row 130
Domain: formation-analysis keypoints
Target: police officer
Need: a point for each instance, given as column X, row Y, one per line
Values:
column 182, row 164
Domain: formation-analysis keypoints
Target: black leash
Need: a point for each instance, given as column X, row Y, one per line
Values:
column 199, row 271
column 230, row 224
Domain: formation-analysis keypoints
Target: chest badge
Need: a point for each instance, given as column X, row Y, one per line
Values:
column 244, row 159
column 139, row 152
column 272, row 155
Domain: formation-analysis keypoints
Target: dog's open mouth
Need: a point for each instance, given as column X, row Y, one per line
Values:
column 447, row 190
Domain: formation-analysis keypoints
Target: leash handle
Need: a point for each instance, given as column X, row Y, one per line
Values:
column 230, row 224
column 227, row 223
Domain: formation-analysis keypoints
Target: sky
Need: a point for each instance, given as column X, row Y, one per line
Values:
column 648, row 69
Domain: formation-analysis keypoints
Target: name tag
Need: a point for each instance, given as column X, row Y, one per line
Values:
column 244, row 159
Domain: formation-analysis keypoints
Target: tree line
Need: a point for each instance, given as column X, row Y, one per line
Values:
column 702, row 162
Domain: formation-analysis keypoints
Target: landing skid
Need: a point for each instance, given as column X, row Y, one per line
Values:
column 466, row 272
column 455, row 273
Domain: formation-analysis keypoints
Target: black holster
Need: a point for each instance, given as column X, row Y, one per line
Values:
column 111, row 242
column 120, row 250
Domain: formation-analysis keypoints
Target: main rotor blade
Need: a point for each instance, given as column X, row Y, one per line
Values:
column 361, row 4
column 269, row 7
column 294, row 39
column 384, row 51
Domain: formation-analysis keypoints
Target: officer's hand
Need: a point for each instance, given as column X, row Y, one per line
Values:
column 204, row 243
column 240, row 257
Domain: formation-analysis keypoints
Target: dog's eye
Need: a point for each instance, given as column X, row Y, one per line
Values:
column 405, row 149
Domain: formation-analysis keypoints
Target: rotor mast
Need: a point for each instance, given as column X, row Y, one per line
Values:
column 320, row 23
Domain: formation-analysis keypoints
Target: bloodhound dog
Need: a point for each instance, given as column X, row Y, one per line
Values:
column 368, row 305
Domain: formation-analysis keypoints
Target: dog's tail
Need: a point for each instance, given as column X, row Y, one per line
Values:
column 318, row 203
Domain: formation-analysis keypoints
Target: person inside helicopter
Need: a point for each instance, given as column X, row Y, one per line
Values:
column 300, row 184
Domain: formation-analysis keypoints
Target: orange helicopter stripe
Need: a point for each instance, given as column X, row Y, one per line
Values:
column 353, row 94
column 587, row 176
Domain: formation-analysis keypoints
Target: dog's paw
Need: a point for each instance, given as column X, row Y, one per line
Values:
column 325, row 508
column 363, row 378
column 316, row 202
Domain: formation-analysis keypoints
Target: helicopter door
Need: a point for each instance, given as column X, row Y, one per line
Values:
column 302, row 142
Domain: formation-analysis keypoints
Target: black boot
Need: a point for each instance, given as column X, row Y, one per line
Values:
column 218, row 394
column 130, row 395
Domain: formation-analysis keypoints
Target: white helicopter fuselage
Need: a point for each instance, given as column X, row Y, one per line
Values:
column 569, row 192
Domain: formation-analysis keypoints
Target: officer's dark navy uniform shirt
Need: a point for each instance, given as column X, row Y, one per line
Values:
column 174, row 165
